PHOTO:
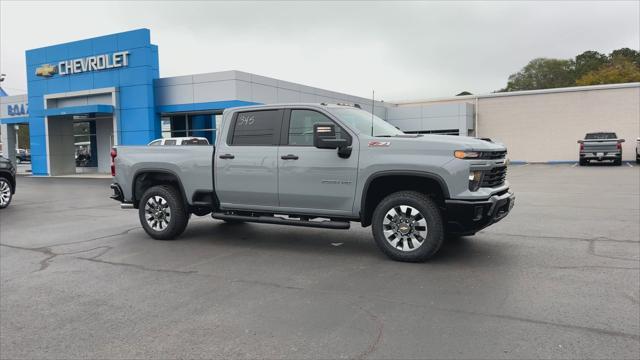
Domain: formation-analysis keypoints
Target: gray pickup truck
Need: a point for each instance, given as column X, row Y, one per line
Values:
column 599, row 146
column 320, row 165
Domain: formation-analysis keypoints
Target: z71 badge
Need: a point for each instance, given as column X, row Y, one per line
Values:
column 379, row 143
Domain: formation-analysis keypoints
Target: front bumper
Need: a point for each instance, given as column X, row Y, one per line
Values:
column 466, row 217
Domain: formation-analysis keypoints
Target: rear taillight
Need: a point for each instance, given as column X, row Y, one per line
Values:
column 581, row 147
column 114, row 154
column 619, row 146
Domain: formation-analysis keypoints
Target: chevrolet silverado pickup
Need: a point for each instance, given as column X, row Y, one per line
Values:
column 320, row 165
column 599, row 146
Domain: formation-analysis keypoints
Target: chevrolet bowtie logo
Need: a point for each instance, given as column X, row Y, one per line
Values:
column 46, row 70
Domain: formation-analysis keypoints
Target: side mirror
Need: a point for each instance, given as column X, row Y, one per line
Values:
column 324, row 137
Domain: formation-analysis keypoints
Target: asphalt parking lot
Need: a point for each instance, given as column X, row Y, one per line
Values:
column 558, row 278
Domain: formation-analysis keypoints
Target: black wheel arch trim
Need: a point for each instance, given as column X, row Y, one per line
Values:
column 163, row 171
column 384, row 173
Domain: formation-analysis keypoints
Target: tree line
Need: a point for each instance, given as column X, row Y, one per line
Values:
column 588, row 68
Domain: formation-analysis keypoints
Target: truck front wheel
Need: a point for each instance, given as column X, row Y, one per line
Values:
column 407, row 226
column 162, row 212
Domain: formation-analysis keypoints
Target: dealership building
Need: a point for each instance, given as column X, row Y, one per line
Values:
column 84, row 97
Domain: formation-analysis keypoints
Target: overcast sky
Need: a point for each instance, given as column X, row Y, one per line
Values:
column 403, row 50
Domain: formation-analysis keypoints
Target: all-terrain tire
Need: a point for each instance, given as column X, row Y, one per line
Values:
column 158, row 202
column 427, row 210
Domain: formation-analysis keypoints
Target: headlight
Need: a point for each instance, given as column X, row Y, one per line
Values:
column 475, row 177
column 466, row 154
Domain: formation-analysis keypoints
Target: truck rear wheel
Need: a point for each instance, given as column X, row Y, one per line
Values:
column 618, row 161
column 407, row 226
column 162, row 212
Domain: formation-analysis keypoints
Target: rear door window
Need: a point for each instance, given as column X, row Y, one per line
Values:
column 257, row 128
column 170, row 142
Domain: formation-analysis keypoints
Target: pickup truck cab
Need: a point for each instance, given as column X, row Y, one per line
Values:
column 320, row 165
column 600, row 146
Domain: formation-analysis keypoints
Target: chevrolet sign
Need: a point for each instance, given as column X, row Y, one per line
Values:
column 91, row 63
column 46, row 70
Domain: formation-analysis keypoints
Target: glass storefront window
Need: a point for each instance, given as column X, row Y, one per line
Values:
column 196, row 124
column 84, row 133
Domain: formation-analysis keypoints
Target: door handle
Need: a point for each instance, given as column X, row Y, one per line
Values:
column 289, row 157
column 226, row 156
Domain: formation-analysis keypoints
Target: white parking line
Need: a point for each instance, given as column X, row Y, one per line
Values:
column 574, row 165
column 629, row 164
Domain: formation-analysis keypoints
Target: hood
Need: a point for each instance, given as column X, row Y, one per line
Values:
column 450, row 142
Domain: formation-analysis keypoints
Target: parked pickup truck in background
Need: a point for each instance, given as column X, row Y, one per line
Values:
column 599, row 146
column 320, row 165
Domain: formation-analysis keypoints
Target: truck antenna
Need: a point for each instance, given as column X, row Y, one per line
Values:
column 373, row 107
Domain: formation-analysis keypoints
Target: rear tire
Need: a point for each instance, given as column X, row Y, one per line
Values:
column 407, row 226
column 6, row 192
column 584, row 162
column 162, row 213
column 618, row 161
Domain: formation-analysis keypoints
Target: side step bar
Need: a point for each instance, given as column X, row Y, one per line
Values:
column 281, row 221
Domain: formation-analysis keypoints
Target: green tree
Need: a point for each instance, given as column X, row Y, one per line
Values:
column 619, row 70
column 630, row 54
column 543, row 73
column 589, row 61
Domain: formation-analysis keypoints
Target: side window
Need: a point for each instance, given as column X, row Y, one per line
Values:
column 170, row 142
column 257, row 128
column 301, row 127
column 195, row 141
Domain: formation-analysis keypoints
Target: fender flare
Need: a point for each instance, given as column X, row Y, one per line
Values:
column 162, row 171
column 384, row 173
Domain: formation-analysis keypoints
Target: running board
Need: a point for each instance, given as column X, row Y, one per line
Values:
column 281, row 221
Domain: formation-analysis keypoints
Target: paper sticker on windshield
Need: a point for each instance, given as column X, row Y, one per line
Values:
column 379, row 143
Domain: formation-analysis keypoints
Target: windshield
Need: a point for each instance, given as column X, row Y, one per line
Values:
column 600, row 136
column 361, row 121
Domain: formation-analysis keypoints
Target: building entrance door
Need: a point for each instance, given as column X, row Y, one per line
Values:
column 79, row 144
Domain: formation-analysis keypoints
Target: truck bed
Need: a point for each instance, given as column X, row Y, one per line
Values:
column 191, row 164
